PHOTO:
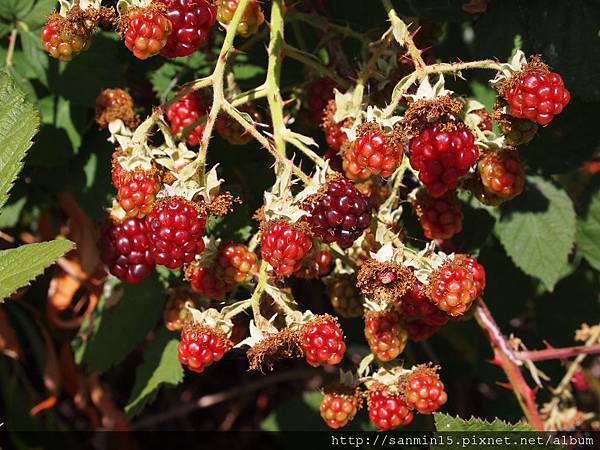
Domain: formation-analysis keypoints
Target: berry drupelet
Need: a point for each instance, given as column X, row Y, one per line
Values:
column 537, row 96
column 191, row 21
column 442, row 155
column 176, row 228
column 322, row 341
column 284, row 246
column 147, row 32
column 126, row 249
column 184, row 113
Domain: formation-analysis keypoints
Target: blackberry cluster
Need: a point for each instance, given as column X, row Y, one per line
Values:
column 340, row 214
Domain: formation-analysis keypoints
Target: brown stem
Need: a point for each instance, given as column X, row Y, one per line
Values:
column 506, row 358
column 557, row 353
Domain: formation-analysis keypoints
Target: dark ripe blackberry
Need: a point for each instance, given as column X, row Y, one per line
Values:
column 125, row 248
column 340, row 214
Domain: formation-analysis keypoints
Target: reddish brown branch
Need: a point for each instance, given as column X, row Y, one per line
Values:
column 506, row 358
column 557, row 353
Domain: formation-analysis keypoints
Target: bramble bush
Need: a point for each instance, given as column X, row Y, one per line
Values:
column 257, row 213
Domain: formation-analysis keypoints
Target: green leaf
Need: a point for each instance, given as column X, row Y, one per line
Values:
column 11, row 212
column 588, row 232
column 161, row 366
column 82, row 79
column 15, row 9
column 118, row 329
column 445, row 422
column 174, row 72
column 484, row 94
column 537, row 230
column 19, row 122
column 520, row 435
column 58, row 114
column 39, row 13
column 19, row 266
column 34, row 54
column 247, row 71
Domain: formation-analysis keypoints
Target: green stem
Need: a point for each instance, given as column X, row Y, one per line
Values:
column 248, row 96
column 305, row 149
column 276, row 46
column 258, row 291
column 11, row 47
column 327, row 26
column 407, row 39
column 238, row 308
column 488, row 64
column 217, row 79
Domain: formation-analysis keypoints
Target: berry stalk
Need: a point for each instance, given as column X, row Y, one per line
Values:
column 506, row 358
column 217, row 78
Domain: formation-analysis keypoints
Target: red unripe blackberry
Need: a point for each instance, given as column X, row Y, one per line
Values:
column 339, row 406
column 502, row 173
column 591, row 167
column 235, row 264
column 440, row 217
column 184, row 113
column 424, row 391
column 319, row 94
column 420, row 317
column 442, row 154
column 453, row 289
column 201, row 345
column 147, row 32
column 579, row 381
column 537, row 96
column 322, row 341
column 284, row 247
column 252, row 18
column 176, row 228
column 317, row 264
column 203, row 281
column 385, row 334
column 137, row 192
column 191, row 20
column 61, row 43
column 388, row 411
column 371, row 154
column 340, row 214
column 323, row 261
column 334, row 135
column 477, row 271
column 126, row 250
column 345, row 297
